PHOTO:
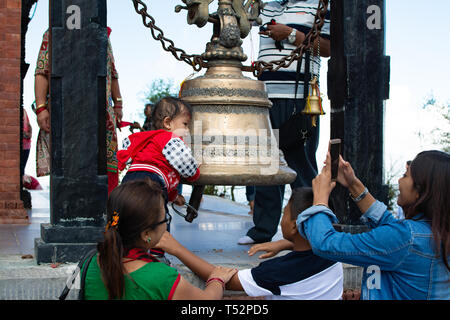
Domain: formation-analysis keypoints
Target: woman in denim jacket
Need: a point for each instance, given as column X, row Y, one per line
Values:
column 402, row 259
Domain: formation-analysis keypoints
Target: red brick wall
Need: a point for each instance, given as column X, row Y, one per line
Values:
column 11, row 207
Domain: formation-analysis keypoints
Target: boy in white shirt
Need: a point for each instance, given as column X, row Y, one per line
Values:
column 298, row 275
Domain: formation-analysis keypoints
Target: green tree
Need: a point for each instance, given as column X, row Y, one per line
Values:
column 159, row 88
column 391, row 179
column 441, row 133
column 443, row 138
column 154, row 91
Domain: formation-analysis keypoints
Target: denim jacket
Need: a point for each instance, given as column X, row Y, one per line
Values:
column 399, row 256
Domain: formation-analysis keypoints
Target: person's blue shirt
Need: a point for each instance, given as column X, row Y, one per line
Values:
column 399, row 256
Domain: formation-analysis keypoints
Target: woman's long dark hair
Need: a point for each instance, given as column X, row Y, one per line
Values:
column 137, row 205
column 430, row 171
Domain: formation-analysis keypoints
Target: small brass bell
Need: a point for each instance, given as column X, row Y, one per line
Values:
column 314, row 102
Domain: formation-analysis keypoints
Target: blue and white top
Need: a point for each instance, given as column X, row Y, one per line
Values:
column 399, row 257
column 298, row 275
column 298, row 14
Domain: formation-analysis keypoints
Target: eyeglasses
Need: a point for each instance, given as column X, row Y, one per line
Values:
column 168, row 219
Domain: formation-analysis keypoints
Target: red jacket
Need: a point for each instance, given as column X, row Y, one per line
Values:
column 161, row 152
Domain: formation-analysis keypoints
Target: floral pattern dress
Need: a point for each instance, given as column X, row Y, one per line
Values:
column 42, row 68
column 43, row 140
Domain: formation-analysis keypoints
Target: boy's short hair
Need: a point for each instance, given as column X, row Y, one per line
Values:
column 168, row 107
column 301, row 199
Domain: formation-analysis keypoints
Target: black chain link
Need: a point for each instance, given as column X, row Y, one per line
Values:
column 196, row 61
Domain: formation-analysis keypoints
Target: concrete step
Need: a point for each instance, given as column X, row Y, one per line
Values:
column 23, row 279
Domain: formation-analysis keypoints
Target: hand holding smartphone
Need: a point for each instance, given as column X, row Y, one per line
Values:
column 335, row 152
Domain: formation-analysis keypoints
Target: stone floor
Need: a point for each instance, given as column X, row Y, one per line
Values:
column 212, row 235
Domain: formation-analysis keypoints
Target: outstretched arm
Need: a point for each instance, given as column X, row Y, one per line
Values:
column 200, row 267
column 213, row 291
column 271, row 248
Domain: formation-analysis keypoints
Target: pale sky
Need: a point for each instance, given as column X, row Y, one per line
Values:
column 416, row 41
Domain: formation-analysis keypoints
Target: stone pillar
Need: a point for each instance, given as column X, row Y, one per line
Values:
column 78, row 181
column 11, row 206
column 358, row 84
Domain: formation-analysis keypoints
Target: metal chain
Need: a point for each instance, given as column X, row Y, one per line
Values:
column 257, row 67
column 194, row 60
column 313, row 62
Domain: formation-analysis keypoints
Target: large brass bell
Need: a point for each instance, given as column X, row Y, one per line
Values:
column 313, row 106
column 231, row 133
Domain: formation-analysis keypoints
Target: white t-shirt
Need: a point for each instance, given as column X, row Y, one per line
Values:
column 299, row 15
column 299, row 275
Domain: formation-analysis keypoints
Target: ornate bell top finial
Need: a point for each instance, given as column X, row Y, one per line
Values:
column 232, row 22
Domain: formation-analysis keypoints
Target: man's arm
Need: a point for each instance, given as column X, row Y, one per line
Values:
column 280, row 32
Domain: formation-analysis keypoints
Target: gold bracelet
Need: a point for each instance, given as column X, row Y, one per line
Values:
column 43, row 105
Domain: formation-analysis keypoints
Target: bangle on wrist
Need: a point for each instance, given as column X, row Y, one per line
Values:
column 361, row 196
column 39, row 111
column 41, row 108
column 321, row 204
column 216, row 279
column 119, row 106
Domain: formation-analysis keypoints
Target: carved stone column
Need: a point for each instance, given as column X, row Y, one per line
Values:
column 358, row 84
column 78, row 184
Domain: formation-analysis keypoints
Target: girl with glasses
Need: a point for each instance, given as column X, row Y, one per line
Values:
column 124, row 269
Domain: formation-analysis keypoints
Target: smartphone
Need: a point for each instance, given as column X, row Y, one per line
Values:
column 335, row 151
